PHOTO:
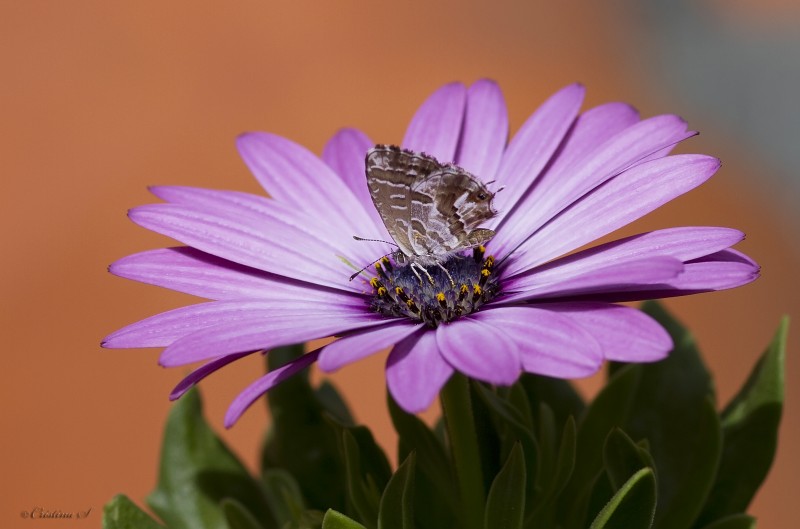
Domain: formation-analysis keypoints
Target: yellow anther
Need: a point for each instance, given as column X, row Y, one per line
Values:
column 464, row 289
column 477, row 289
column 481, row 248
column 378, row 267
column 399, row 290
column 385, row 260
column 382, row 291
column 489, row 262
column 485, row 272
column 375, row 282
column 440, row 296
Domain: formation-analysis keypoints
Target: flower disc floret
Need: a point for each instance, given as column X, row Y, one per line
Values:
column 466, row 285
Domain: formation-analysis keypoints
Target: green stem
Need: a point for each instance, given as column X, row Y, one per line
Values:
column 457, row 410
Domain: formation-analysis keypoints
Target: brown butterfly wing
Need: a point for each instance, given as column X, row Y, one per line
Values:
column 391, row 172
column 447, row 207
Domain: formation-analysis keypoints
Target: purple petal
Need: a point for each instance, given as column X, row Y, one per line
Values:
column 163, row 329
column 415, row 371
column 293, row 175
column 262, row 331
column 683, row 244
column 246, row 207
column 485, row 130
column 216, row 199
column 628, row 276
column 257, row 211
column 264, row 384
column 282, row 244
column 436, row 126
column 202, row 372
column 624, row 333
column 549, row 343
column 566, row 182
column 534, row 145
column 479, row 351
column 200, row 274
column 591, row 130
column 720, row 271
column 348, row 349
column 345, row 153
column 613, row 205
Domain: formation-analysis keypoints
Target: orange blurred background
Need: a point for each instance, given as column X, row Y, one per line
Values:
column 100, row 99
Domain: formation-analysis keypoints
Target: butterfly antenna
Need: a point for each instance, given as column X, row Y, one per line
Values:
column 490, row 182
column 372, row 263
column 356, row 237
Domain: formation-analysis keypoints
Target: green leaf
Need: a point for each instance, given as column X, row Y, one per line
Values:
column 547, row 437
column 493, row 446
column 519, row 400
column 332, row 401
column 736, row 521
column 373, row 466
column 238, row 516
column 505, row 506
column 623, row 458
column 397, row 502
column 668, row 403
column 750, row 433
column 284, row 496
column 301, row 440
column 609, row 410
column 374, row 463
column 673, row 409
column 311, row 519
column 559, row 394
column 515, row 430
column 336, row 520
column 362, row 491
column 633, row 506
column 434, row 475
column 198, row 471
column 122, row 513
column 543, row 515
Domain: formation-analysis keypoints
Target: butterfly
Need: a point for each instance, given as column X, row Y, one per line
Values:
column 431, row 210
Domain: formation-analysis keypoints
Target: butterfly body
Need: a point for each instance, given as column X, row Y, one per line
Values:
column 431, row 210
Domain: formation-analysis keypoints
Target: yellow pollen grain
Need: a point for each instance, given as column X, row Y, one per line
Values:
column 410, row 303
column 375, row 282
column 440, row 296
column 398, row 290
column 485, row 272
column 481, row 248
column 489, row 261
column 382, row 291
column 477, row 290
column 464, row 289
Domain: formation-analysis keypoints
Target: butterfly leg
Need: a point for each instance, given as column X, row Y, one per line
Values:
column 452, row 283
column 415, row 267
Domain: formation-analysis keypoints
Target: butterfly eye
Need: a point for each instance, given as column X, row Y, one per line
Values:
column 482, row 196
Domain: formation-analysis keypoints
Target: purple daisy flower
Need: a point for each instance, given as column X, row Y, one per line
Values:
column 277, row 269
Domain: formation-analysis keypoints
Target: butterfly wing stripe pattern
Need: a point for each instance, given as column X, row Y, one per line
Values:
column 430, row 209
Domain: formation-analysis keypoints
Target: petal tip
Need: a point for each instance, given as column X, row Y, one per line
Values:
column 577, row 89
column 485, row 83
column 327, row 362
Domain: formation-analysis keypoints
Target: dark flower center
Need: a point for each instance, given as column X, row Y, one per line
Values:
column 434, row 298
